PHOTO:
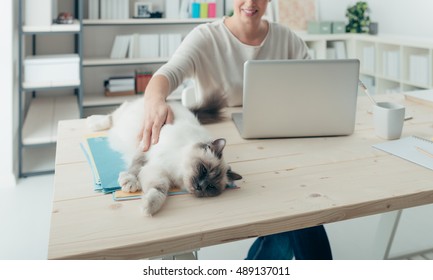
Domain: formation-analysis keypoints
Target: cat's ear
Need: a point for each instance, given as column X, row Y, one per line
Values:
column 233, row 176
column 217, row 146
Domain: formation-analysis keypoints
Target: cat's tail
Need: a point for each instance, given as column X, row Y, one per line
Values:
column 210, row 109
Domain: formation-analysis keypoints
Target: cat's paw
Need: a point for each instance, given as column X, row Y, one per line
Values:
column 98, row 122
column 129, row 182
column 152, row 200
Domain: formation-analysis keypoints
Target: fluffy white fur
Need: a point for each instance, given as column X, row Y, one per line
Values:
column 185, row 155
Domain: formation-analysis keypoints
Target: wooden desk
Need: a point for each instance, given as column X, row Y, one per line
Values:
column 288, row 184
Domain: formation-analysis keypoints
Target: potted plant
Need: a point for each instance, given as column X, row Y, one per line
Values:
column 358, row 18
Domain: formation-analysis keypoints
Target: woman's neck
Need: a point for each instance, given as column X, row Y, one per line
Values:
column 250, row 33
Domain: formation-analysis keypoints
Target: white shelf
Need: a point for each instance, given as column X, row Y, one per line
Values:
column 122, row 61
column 34, row 85
column 40, row 125
column 74, row 27
column 145, row 21
column 386, row 59
column 102, row 100
column 39, row 159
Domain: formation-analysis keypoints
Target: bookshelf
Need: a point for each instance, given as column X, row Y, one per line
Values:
column 388, row 63
column 49, row 84
column 99, row 36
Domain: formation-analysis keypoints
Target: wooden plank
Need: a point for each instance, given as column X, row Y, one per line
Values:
column 101, row 228
column 38, row 124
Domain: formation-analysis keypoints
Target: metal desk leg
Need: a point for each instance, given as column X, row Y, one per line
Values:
column 385, row 234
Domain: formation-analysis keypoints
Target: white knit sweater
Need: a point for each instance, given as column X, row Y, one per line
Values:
column 212, row 56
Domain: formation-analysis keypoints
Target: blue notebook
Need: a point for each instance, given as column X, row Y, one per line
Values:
column 105, row 162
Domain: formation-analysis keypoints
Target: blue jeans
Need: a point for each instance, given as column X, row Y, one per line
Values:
column 303, row 244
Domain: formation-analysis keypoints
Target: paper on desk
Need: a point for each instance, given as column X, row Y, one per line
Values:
column 414, row 149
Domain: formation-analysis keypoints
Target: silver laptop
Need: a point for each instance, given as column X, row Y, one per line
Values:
column 298, row 98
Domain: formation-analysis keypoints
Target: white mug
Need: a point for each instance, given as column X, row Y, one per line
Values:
column 388, row 120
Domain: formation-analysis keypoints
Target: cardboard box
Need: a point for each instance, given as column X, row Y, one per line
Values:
column 319, row 27
column 338, row 27
column 52, row 70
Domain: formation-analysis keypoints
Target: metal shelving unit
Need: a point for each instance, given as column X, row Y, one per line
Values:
column 38, row 115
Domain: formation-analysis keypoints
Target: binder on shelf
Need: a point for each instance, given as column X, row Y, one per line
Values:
column 195, row 10
column 419, row 69
column 340, row 49
column 93, row 9
column 149, row 45
column 203, row 9
column 120, row 46
column 184, row 11
column 211, row 10
column 114, row 9
column 169, row 43
column 368, row 58
column 391, row 64
column 142, row 78
column 172, row 8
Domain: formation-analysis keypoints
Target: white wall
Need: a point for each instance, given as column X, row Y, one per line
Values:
column 7, row 75
column 398, row 17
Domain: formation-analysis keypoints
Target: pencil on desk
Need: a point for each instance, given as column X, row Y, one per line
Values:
column 424, row 152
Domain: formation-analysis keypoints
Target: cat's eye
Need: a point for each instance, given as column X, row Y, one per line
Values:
column 203, row 170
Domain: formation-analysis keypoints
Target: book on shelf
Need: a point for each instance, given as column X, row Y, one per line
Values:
column 134, row 46
column 121, row 80
column 203, row 9
column 119, row 93
column 93, row 9
column 391, row 64
column 169, row 43
column 142, row 78
column 368, row 58
column 119, row 86
column 419, row 69
column 120, row 46
column 148, row 45
column 112, row 9
column 172, row 8
column 340, row 49
column 331, row 53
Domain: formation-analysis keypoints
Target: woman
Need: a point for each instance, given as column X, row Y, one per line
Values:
column 213, row 55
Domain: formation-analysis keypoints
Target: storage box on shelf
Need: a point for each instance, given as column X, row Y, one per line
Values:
column 51, row 70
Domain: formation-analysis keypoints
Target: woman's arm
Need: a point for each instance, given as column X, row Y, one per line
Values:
column 157, row 111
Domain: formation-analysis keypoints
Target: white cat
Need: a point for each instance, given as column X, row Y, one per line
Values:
column 185, row 156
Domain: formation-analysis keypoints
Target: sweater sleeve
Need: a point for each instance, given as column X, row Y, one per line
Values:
column 182, row 65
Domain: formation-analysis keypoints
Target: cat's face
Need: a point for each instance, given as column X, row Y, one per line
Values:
column 209, row 174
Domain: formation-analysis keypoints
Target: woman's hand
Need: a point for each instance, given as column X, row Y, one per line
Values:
column 158, row 113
